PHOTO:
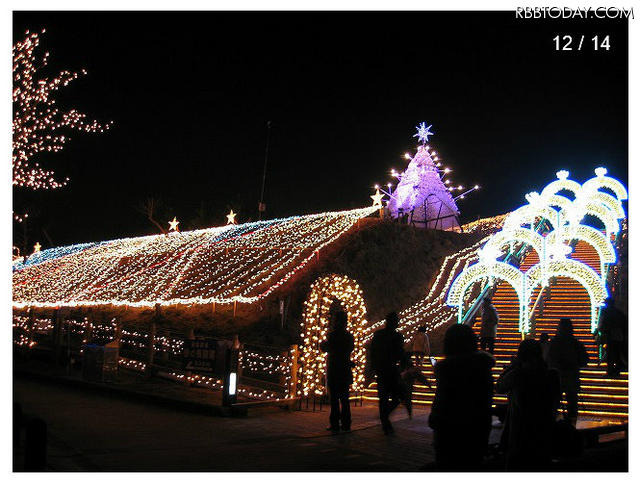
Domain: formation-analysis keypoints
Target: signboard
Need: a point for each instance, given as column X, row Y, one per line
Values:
column 200, row 354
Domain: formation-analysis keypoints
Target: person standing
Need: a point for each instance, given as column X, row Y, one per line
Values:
column 419, row 345
column 567, row 355
column 534, row 396
column 338, row 346
column 545, row 341
column 387, row 359
column 489, row 327
column 613, row 331
column 461, row 411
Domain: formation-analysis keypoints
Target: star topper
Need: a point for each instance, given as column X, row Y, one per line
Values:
column 231, row 218
column 173, row 225
column 423, row 133
column 36, row 248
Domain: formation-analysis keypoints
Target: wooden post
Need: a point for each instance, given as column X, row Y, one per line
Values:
column 294, row 371
column 58, row 333
column 235, row 304
column 213, row 308
column 151, row 346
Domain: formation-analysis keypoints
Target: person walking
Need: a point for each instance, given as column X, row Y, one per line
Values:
column 338, row 346
column 489, row 327
column 388, row 358
column 534, row 395
column 567, row 355
column 419, row 345
column 461, row 411
column 613, row 333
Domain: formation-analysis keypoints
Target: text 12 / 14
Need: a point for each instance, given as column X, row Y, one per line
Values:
column 578, row 42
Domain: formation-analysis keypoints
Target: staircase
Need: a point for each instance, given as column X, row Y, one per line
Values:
column 601, row 397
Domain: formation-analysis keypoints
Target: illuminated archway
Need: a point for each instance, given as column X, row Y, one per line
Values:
column 591, row 236
column 494, row 269
column 562, row 183
column 603, row 181
column 527, row 214
column 315, row 319
column 518, row 234
column 585, row 275
column 609, row 201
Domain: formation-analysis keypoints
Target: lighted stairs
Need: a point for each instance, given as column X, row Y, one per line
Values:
column 601, row 397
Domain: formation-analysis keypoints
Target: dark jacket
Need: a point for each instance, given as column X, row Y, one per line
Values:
column 339, row 345
column 387, row 352
column 464, row 392
column 613, row 325
column 567, row 354
column 534, row 396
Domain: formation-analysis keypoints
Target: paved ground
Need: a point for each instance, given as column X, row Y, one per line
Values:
column 88, row 431
column 95, row 431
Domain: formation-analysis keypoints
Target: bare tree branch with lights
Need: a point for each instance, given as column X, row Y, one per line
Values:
column 37, row 122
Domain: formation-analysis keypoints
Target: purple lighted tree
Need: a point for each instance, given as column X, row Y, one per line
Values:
column 423, row 193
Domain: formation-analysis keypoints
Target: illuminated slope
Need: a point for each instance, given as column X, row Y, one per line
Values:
column 236, row 263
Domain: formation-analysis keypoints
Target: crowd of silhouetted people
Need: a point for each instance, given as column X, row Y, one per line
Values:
column 462, row 414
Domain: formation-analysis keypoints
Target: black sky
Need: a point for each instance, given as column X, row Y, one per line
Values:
column 190, row 95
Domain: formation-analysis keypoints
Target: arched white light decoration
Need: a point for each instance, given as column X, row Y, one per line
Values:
column 585, row 275
column 562, row 183
column 527, row 214
column 316, row 325
column 603, row 181
column 609, row 201
column 494, row 269
column 591, row 236
column 518, row 234
column 584, row 206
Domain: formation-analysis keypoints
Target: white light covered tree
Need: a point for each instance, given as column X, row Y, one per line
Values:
column 38, row 124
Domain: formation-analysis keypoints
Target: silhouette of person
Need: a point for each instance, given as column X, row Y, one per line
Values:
column 613, row 331
column 461, row 411
column 419, row 345
column 568, row 355
column 534, row 396
column 387, row 359
column 489, row 326
column 545, row 341
column 338, row 346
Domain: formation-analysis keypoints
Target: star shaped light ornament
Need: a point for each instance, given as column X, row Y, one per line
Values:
column 231, row 218
column 377, row 198
column 36, row 248
column 423, row 133
column 173, row 225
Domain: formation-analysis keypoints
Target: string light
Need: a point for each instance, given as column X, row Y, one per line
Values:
column 37, row 121
column 234, row 263
column 552, row 252
column 315, row 318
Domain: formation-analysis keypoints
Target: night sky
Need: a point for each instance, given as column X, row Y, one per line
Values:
column 190, row 95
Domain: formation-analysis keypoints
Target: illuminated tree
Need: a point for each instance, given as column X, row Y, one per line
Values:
column 37, row 121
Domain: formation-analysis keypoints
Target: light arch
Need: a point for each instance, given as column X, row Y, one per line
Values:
column 562, row 183
column 518, row 234
column 603, row 181
column 585, row 275
column 527, row 214
column 603, row 214
column 315, row 318
column 496, row 269
column 591, row 236
column 609, row 201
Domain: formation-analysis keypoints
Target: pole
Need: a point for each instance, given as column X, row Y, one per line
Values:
column 261, row 206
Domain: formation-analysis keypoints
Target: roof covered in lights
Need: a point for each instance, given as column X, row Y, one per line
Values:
column 235, row 263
